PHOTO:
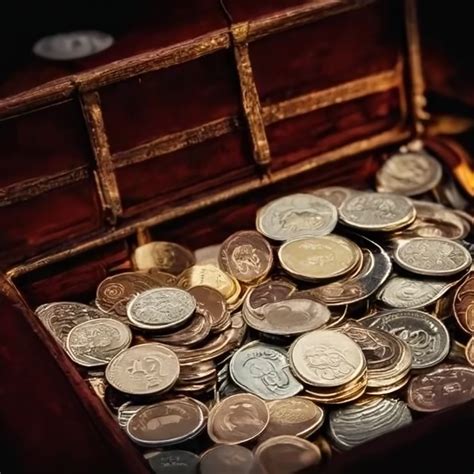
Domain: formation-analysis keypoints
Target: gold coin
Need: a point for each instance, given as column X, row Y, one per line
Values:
column 209, row 275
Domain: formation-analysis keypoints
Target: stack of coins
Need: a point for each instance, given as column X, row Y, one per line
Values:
column 344, row 312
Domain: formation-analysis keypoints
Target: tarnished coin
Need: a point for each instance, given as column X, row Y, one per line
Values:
column 470, row 351
column 427, row 336
column 410, row 173
column 145, row 369
column 463, row 304
column 315, row 258
column 441, row 388
column 227, row 459
column 161, row 308
column 210, row 302
column 366, row 419
column 166, row 423
column 325, row 358
column 432, row 256
column 237, row 419
column 95, row 342
column 334, row 194
column 264, row 370
column 164, row 256
column 377, row 212
column 287, row 454
column 59, row 318
column 295, row 216
column 175, row 461
column 293, row 416
column 247, row 256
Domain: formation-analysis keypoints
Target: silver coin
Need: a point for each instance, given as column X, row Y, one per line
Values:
column 410, row 173
column 377, row 212
column 264, row 370
column 161, row 308
column 427, row 336
column 96, row 342
column 366, row 419
column 72, row 45
column 334, row 194
column 434, row 256
column 126, row 411
column 296, row 215
column 174, row 461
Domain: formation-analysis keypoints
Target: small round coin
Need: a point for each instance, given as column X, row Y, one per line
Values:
column 95, row 342
column 237, row 419
column 145, row 369
column 463, row 304
column 227, row 459
column 295, row 216
column 175, row 461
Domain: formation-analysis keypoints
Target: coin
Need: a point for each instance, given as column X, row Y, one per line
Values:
column 463, row 304
column 208, row 275
column 377, row 212
column 427, row 336
column 293, row 416
column 126, row 411
column 208, row 255
column 166, row 257
column 162, row 278
column 270, row 291
column 432, row 256
column 441, row 388
column 143, row 370
column 409, row 173
column 166, row 423
column 287, row 454
column 264, row 370
column 314, row 258
column 211, row 303
column 237, row 419
column 325, row 358
column 366, row 419
column 227, row 459
column 334, row 194
column 247, row 256
column 59, row 318
column 295, row 216
column 175, row 461
column 161, row 308
column 95, row 342
column 470, row 351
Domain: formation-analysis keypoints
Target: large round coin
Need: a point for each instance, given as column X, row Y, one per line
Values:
column 435, row 256
column 145, row 369
column 366, row 419
column 296, row 215
column 96, row 342
column 377, row 212
column 463, row 304
column 315, row 258
column 161, row 308
column 324, row 358
column 166, row 257
column 264, row 370
column 227, row 459
column 427, row 336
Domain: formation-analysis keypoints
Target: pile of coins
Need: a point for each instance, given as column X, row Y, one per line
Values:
column 341, row 315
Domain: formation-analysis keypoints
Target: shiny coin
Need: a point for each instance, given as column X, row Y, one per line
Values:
column 324, row 358
column 295, row 216
column 432, row 256
column 427, row 336
column 161, row 308
column 227, row 459
column 175, row 461
column 264, row 370
column 210, row 302
column 167, row 422
column 143, row 370
column 126, row 411
column 95, row 342
column 463, row 304
column 72, row 45
column 410, row 173
column 166, row 257
column 237, row 419
column 470, row 351
column 377, row 212
column 366, row 419
column 334, row 194
column 287, row 454
column 314, row 258
column 162, row 278
column 208, row 275
column 441, row 388
column 247, row 256
column 270, row 291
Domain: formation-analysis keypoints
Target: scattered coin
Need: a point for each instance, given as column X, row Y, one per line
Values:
column 162, row 278
column 463, row 304
column 470, row 351
column 174, row 461
column 210, row 302
column 228, row 459
column 334, row 194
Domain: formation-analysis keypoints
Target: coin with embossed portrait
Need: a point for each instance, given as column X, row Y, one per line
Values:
column 228, row 459
column 145, row 369
column 295, row 216
column 95, row 342
column 463, row 304
column 173, row 461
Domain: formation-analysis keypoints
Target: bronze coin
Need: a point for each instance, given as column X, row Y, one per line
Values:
column 470, row 351
column 441, row 388
column 209, row 301
column 237, row 419
column 227, row 459
column 464, row 304
column 247, row 256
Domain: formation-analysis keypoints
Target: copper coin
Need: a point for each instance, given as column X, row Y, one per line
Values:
column 210, row 301
column 470, row 351
column 286, row 454
column 441, row 388
column 227, row 459
column 463, row 304
column 237, row 419
column 247, row 256
column 175, row 461
column 164, row 256
column 165, row 423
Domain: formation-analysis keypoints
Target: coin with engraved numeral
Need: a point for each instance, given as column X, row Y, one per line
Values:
column 143, row 370
column 174, row 461
column 295, row 216
column 227, row 459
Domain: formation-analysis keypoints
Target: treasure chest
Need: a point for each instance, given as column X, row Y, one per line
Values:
column 197, row 115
